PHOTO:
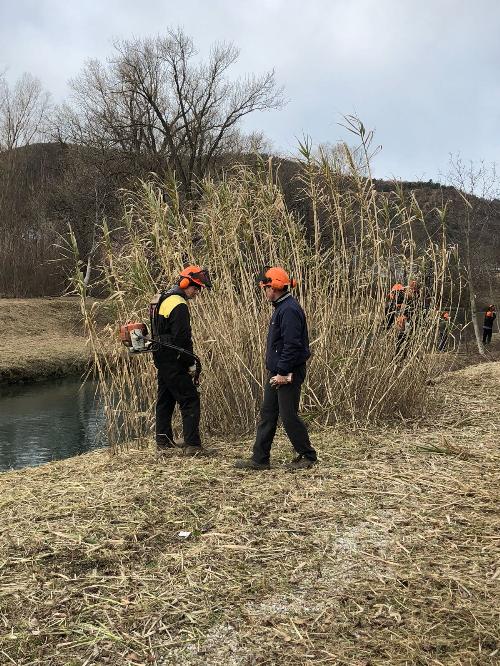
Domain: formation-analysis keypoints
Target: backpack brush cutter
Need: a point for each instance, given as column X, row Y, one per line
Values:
column 137, row 340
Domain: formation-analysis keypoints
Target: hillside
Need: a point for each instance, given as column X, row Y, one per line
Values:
column 45, row 187
column 385, row 553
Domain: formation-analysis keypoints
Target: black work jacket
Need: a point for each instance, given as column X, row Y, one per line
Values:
column 175, row 329
column 488, row 320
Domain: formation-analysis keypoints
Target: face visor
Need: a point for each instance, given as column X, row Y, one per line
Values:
column 264, row 282
column 201, row 279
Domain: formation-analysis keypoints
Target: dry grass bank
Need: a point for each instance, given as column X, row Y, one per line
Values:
column 386, row 553
column 41, row 338
column 468, row 354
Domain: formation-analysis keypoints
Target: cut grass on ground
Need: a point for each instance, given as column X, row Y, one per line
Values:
column 385, row 553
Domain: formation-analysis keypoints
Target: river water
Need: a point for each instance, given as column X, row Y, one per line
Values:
column 48, row 421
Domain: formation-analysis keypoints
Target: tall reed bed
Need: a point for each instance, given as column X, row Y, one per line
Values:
column 354, row 245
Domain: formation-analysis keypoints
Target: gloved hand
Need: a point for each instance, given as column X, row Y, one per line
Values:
column 192, row 370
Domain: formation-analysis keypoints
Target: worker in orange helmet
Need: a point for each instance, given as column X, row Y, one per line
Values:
column 489, row 318
column 286, row 356
column 394, row 301
column 444, row 330
column 170, row 324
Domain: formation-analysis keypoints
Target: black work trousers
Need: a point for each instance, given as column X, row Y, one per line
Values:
column 443, row 339
column 175, row 385
column 402, row 343
column 487, row 333
column 282, row 402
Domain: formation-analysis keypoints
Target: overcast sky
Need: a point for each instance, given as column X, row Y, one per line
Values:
column 424, row 74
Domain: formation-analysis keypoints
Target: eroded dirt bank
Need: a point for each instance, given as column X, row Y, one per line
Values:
column 41, row 338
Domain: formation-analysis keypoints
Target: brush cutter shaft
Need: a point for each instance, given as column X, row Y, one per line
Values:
column 149, row 346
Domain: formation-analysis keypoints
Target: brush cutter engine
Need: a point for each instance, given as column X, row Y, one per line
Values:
column 135, row 337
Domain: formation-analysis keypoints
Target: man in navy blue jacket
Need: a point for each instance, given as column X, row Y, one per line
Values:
column 286, row 356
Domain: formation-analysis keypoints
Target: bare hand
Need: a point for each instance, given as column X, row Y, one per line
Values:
column 279, row 380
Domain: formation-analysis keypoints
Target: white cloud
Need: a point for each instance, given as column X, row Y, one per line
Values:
column 424, row 74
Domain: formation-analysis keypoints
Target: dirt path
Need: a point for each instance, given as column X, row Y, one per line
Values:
column 386, row 553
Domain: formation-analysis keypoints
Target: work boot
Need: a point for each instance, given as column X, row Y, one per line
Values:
column 196, row 451
column 251, row 464
column 163, row 444
column 301, row 463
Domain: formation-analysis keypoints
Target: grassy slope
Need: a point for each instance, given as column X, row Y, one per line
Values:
column 383, row 554
column 41, row 337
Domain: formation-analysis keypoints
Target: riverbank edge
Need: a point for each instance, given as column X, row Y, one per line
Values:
column 65, row 368
column 42, row 339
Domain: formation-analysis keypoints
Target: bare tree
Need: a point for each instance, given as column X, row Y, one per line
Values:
column 239, row 143
column 154, row 99
column 24, row 107
column 23, row 111
column 477, row 237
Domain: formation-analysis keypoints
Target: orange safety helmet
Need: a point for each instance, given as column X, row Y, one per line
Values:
column 276, row 277
column 194, row 275
column 395, row 289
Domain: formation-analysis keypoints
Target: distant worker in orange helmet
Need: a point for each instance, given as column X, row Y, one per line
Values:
column 170, row 324
column 489, row 318
column 286, row 356
column 394, row 302
column 444, row 330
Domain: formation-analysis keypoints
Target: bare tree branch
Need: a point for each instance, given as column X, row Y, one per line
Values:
column 23, row 111
column 154, row 98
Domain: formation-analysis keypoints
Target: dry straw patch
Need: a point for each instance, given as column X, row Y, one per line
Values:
column 386, row 553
